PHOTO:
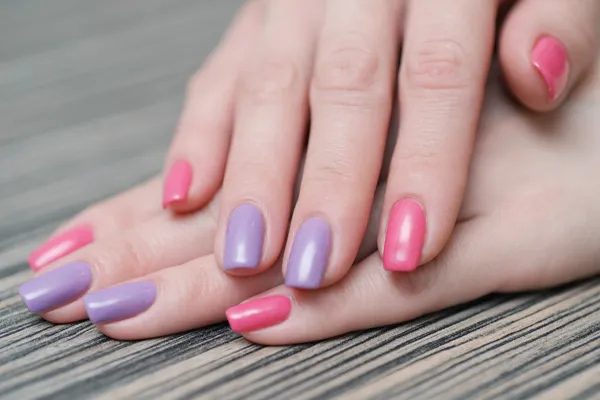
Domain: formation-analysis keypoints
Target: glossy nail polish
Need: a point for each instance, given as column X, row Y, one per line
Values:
column 177, row 183
column 57, row 287
column 549, row 56
column 119, row 302
column 60, row 245
column 259, row 314
column 309, row 255
column 244, row 238
column 405, row 236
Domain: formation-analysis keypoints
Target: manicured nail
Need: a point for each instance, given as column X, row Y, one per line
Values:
column 550, row 58
column 177, row 183
column 404, row 237
column 56, row 287
column 60, row 245
column 259, row 314
column 244, row 238
column 119, row 302
column 309, row 255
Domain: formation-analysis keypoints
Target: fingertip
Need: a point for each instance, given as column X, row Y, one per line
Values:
column 519, row 75
column 544, row 48
column 536, row 71
column 177, row 184
column 405, row 236
column 260, row 313
column 310, row 255
column 185, row 191
column 243, row 250
column 60, row 245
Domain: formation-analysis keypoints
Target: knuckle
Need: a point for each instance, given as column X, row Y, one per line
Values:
column 119, row 259
column 270, row 78
column 133, row 257
column 250, row 174
column 348, row 66
column 200, row 283
column 336, row 170
column 436, row 65
column 423, row 156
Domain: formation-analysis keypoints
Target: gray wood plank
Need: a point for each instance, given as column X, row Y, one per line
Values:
column 89, row 94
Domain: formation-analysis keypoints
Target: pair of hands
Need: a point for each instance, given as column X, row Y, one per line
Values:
column 530, row 219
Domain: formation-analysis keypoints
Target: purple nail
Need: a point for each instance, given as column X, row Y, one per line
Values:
column 244, row 238
column 57, row 287
column 119, row 302
column 309, row 255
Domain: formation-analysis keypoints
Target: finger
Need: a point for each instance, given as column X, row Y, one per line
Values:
column 445, row 61
column 161, row 242
column 115, row 214
column 184, row 297
column 351, row 97
column 173, row 300
column 483, row 256
column 271, row 117
column 545, row 46
column 196, row 159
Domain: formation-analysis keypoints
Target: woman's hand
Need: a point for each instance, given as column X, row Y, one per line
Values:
column 333, row 65
column 531, row 220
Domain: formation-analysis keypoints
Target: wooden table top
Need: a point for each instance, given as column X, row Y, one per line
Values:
column 89, row 94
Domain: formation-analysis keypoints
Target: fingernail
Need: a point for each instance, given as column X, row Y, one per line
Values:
column 550, row 58
column 177, row 183
column 60, row 245
column 309, row 255
column 119, row 302
column 259, row 314
column 244, row 238
column 404, row 237
column 56, row 287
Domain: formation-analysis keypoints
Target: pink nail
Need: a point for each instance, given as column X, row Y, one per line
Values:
column 60, row 245
column 550, row 58
column 404, row 237
column 259, row 314
column 177, row 183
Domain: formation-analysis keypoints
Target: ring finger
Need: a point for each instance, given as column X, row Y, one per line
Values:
column 351, row 101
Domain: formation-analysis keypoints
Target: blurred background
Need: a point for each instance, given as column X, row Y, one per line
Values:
column 90, row 92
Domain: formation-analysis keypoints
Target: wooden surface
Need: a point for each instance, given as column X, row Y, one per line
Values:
column 89, row 94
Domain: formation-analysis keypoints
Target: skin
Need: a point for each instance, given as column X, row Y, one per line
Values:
column 247, row 112
column 530, row 220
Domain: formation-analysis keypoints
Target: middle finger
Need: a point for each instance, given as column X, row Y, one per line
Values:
column 351, row 100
